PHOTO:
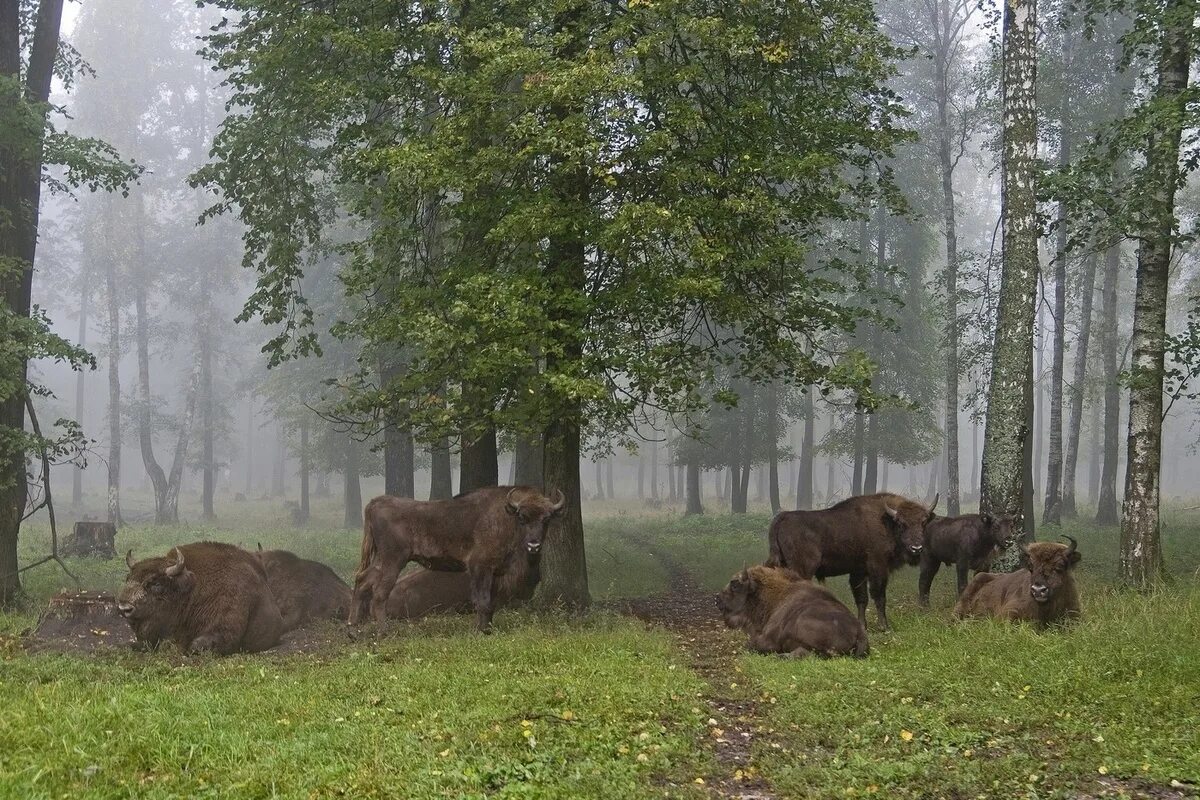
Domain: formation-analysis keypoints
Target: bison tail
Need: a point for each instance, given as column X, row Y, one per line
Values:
column 775, row 552
column 862, row 647
column 368, row 546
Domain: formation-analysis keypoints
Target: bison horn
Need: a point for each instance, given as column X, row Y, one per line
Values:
column 559, row 504
column 176, row 569
column 508, row 502
column 933, row 505
column 129, row 558
column 891, row 512
column 1074, row 544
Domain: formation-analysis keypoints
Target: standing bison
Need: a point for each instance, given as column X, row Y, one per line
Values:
column 865, row 537
column 477, row 531
column 204, row 596
column 968, row 542
column 304, row 590
column 1042, row 592
column 430, row 591
column 783, row 613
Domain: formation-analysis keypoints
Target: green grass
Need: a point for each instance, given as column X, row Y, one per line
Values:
column 941, row 709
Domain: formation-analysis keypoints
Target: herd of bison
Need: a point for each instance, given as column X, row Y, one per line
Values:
column 482, row 549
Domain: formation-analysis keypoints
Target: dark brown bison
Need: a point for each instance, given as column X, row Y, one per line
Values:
column 304, row 590
column 968, row 542
column 864, row 537
column 1043, row 592
column 477, row 531
column 429, row 591
column 784, row 613
column 203, row 596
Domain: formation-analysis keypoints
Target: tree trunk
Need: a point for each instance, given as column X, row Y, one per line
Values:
column 249, row 445
column 208, row 466
column 528, row 459
column 85, row 297
column 277, row 470
column 1106, row 503
column 1095, row 456
column 114, row 384
column 856, row 480
column 654, row 470
column 1029, row 480
column 1052, row 511
column 1086, row 290
column 305, row 470
column 871, row 473
column 441, row 478
column 1005, row 437
column 641, row 476
column 1141, row 550
column 399, row 450
column 1038, row 415
column 693, row 488
column 479, row 465
column 158, row 478
column 804, row 481
column 352, row 488
column 608, row 477
column 175, row 477
column 672, row 487
column 599, row 479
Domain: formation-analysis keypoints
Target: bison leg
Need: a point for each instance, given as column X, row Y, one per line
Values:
column 858, row 585
column 879, row 595
column 383, row 580
column 929, row 570
column 481, row 598
column 761, row 643
column 962, row 568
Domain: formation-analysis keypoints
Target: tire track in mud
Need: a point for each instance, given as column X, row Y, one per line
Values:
column 690, row 614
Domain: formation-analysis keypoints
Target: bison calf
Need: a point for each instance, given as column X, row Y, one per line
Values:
column 429, row 591
column 1043, row 592
column 304, row 590
column 204, row 596
column 783, row 613
column 968, row 542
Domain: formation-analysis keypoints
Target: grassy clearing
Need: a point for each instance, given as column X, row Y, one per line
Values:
column 939, row 710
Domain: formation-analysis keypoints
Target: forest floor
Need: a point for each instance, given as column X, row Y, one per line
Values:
column 664, row 704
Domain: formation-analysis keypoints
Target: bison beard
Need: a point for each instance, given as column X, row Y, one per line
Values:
column 477, row 532
column 783, row 613
column 968, row 542
column 1043, row 592
column 304, row 590
column 865, row 537
column 204, row 596
column 428, row 591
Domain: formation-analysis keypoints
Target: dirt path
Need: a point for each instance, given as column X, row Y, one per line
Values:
column 690, row 614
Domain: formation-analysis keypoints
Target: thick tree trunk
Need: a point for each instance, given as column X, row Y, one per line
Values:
column 694, row 505
column 1106, row 502
column 1087, row 287
column 305, row 471
column 856, row 479
column 352, row 488
column 1141, row 550
column 565, row 579
column 1007, row 432
column 441, row 477
column 804, row 479
column 528, row 461
column 871, row 473
column 113, row 357
column 479, row 465
column 1052, row 511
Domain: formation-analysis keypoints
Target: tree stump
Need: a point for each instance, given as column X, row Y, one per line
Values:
column 92, row 540
column 80, row 621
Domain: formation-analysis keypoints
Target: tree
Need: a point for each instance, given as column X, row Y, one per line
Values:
column 1106, row 505
column 30, row 58
column 1007, row 431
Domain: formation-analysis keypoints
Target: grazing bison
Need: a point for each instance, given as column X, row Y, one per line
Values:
column 204, row 596
column 304, row 590
column 1043, row 592
column 968, row 542
column 428, row 591
column 477, row 531
column 783, row 613
column 864, row 537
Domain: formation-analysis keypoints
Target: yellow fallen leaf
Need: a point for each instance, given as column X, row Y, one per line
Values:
column 699, row 781
column 568, row 714
column 1103, row 770
column 906, row 735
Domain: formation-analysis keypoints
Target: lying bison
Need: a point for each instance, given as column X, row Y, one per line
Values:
column 864, row 537
column 429, row 591
column 204, row 596
column 783, row 613
column 477, row 532
column 968, row 542
column 1043, row 592
column 304, row 590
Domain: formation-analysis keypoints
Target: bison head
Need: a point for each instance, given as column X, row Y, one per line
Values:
column 1048, row 563
column 533, row 512
column 735, row 599
column 1002, row 528
column 154, row 593
column 908, row 521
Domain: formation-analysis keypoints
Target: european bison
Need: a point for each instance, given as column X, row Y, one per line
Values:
column 865, row 537
column 304, row 590
column 1043, row 592
column 427, row 591
column 477, row 531
column 784, row 613
column 968, row 542
column 204, row 596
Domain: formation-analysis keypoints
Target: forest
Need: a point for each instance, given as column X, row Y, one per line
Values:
column 601, row 302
